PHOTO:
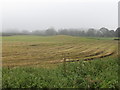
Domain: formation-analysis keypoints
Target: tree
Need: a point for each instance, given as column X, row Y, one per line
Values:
column 104, row 31
column 112, row 33
column 117, row 32
column 63, row 32
column 90, row 32
column 50, row 31
column 98, row 33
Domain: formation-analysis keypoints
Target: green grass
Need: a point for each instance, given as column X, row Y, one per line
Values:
column 57, row 38
column 100, row 73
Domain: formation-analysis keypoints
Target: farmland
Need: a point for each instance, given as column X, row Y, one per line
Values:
column 34, row 57
column 38, row 51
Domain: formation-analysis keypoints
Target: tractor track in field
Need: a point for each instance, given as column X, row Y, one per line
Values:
column 85, row 59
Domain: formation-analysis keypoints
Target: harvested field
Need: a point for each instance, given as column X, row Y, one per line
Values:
column 46, row 51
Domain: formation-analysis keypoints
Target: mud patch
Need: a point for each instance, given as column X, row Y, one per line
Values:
column 34, row 45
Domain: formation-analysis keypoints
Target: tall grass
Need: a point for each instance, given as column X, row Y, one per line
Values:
column 90, row 74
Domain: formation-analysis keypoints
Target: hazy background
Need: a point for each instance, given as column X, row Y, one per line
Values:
column 42, row 14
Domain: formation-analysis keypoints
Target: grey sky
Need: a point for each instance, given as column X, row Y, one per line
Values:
column 42, row 14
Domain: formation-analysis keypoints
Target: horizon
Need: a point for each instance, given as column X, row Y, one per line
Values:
column 79, row 29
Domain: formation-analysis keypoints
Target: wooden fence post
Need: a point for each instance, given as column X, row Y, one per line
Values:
column 64, row 63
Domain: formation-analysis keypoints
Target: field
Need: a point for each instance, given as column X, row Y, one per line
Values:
column 59, row 61
column 41, row 51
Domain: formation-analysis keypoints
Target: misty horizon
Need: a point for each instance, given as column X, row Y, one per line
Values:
column 12, row 30
column 40, row 15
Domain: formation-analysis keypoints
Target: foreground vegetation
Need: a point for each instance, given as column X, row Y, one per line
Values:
column 100, row 73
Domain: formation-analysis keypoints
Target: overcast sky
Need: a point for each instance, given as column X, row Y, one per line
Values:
column 42, row 14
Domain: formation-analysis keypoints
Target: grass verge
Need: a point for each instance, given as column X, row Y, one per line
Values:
column 100, row 73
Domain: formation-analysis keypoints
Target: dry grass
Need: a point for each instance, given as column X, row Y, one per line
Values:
column 45, row 51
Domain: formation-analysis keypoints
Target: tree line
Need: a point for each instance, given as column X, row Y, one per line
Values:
column 91, row 32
